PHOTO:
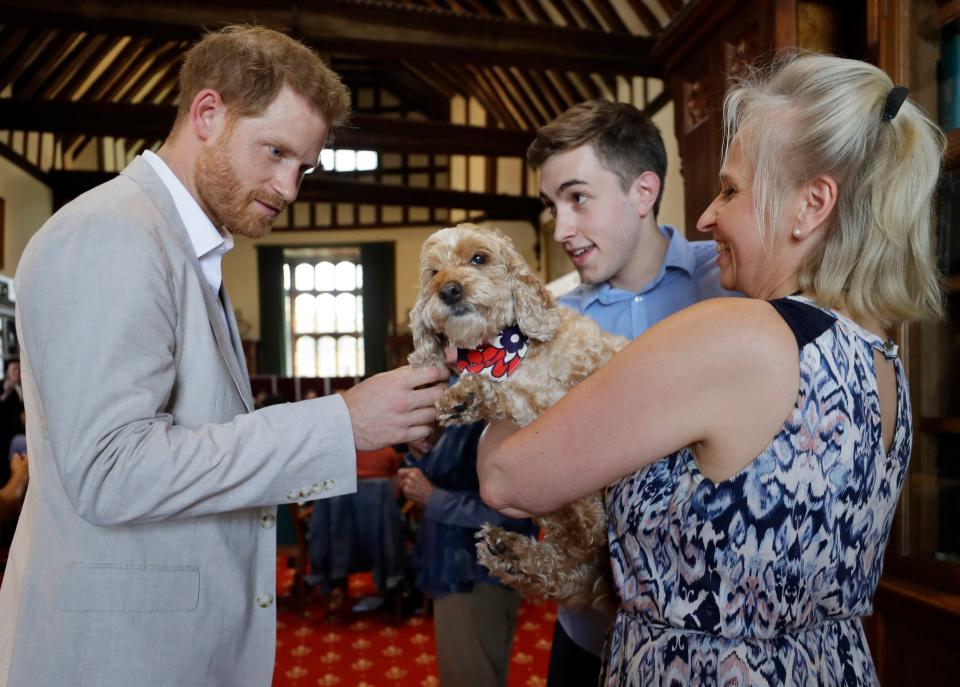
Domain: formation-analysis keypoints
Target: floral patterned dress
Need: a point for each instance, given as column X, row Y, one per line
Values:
column 762, row 579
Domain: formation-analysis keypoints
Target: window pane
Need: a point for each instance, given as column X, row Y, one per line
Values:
column 359, row 313
column 326, row 313
column 304, row 317
column 359, row 276
column 303, row 277
column 346, row 276
column 326, row 159
column 346, row 160
column 346, row 312
column 327, row 357
column 306, row 357
column 286, row 277
column 366, row 160
column 346, row 356
column 361, row 361
column 326, row 275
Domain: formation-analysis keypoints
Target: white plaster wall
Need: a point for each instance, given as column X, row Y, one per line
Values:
column 28, row 204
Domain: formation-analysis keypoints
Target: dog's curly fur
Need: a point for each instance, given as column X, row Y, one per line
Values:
column 571, row 563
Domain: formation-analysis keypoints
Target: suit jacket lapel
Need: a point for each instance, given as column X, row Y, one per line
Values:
column 245, row 390
column 142, row 173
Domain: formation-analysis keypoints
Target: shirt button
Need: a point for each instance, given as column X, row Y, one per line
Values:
column 293, row 495
column 638, row 298
column 264, row 600
column 267, row 520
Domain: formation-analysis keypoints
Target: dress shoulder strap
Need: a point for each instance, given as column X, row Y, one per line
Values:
column 807, row 322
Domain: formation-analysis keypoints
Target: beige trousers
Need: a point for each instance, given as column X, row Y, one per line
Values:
column 474, row 633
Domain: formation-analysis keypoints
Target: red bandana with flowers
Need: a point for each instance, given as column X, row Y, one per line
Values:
column 498, row 358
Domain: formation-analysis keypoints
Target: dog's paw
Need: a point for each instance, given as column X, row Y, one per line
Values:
column 467, row 401
column 499, row 551
column 456, row 407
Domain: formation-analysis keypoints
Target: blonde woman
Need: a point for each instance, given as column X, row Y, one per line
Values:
column 755, row 448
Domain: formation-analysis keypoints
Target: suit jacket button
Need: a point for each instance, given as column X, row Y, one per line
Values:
column 264, row 600
column 305, row 492
column 293, row 495
column 330, row 485
column 267, row 520
column 317, row 488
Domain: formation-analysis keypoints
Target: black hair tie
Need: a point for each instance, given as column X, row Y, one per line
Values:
column 894, row 101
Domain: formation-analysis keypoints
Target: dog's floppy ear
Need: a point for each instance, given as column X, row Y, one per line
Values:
column 538, row 314
column 427, row 343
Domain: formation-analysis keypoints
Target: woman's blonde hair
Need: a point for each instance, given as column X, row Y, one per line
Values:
column 809, row 115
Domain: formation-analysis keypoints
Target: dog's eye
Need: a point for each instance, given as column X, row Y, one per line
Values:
column 478, row 259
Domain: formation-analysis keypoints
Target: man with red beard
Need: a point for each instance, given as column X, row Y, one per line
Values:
column 146, row 550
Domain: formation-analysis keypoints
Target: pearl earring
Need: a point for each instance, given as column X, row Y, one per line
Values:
column 797, row 233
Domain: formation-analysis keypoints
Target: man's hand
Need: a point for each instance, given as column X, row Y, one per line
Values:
column 415, row 486
column 389, row 408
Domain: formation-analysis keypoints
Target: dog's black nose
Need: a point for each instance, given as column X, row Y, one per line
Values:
column 451, row 292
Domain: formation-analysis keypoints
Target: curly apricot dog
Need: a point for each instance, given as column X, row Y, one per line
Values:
column 519, row 353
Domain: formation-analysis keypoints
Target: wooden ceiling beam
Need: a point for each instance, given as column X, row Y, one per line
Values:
column 165, row 88
column 116, row 70
column 586, row 17
column 510, row 93
column 548, row 92
column 646, row 17
column 512, row 117
column 671, row 7
column 321, row 188
column 540, row 15
column 486, row 75
column 352, row 27
column 364, row 132
column 478, row 7
column 27, row 82
column 511, row 10
column 11, row 38
column 162, row 60
column 481, row 92
column 562, row 87
column 583, row 92
column 610, row 16
column 568, row 16
column 25, row 56
column 422, row 72
column 416, row 95
column 658, row 103
column 73, row 76
column 516, row 77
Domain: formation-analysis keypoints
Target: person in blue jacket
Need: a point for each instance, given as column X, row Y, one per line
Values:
column 474, row 615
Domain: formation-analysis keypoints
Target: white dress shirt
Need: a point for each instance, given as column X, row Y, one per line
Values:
column 208, row 243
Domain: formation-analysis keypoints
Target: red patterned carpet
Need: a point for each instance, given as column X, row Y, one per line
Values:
column 374, row 650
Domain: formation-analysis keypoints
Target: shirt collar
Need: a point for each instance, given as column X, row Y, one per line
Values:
column 679, row 256
column 203, row 235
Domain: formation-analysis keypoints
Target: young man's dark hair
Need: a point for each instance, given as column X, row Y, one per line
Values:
column 624, row 139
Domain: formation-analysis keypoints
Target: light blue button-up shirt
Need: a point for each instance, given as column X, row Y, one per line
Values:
column 688, row 274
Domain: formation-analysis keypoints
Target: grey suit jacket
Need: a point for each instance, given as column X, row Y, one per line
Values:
column 146, row 550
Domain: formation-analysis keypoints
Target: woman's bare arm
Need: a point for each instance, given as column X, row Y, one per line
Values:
column 720, row 376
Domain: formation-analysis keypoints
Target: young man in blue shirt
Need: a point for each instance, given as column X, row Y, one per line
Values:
column 602, row 167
